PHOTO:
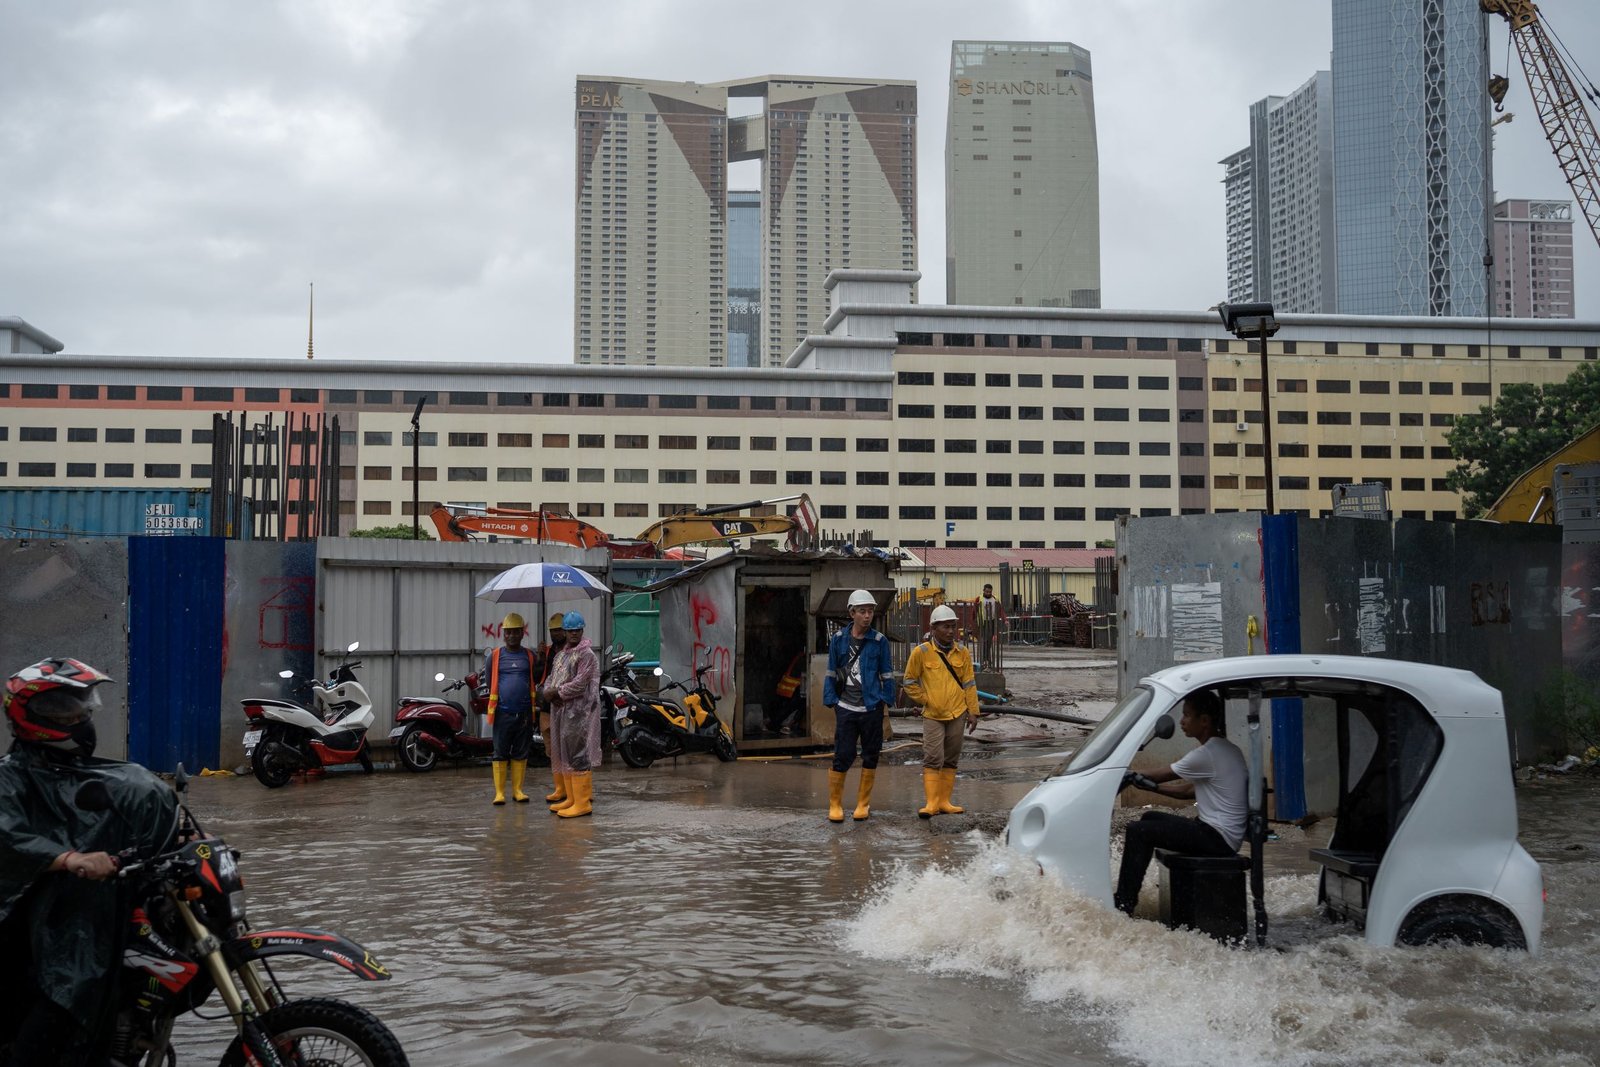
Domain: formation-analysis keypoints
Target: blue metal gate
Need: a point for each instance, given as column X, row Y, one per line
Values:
column 175, row 592
column 1280, row 550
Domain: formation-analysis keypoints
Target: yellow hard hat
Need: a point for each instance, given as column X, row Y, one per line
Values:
column 513, row 621
column 555, row 621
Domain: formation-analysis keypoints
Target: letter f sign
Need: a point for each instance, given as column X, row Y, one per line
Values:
column 949, row 528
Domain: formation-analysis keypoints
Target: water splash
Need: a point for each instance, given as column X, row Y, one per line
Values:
column 1320, row 996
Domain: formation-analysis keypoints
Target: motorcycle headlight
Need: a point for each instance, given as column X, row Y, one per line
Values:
column 236, row 910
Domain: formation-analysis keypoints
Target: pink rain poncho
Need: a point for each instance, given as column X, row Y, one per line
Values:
column 574, row 686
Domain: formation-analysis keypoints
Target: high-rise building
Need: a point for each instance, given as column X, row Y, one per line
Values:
column 1410, row 151
column 1279, row 193
column 652, row 169
column 1022, row 176
column 744, row 278
column 1533, row 259
column 655, row 221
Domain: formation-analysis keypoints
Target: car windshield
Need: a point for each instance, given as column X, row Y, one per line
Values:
column 1104, row 737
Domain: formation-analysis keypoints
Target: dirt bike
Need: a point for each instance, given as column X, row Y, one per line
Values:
column 282, row 737
column 652, row 728
column 187, row 935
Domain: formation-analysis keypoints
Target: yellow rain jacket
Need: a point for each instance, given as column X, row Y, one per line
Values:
column 942, row 694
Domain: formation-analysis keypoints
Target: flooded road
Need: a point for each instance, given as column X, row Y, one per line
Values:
column 709, row 914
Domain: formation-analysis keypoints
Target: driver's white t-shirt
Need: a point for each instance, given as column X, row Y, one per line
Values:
column 1221, row 780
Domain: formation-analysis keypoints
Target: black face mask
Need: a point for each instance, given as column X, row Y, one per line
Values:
column 83, row 737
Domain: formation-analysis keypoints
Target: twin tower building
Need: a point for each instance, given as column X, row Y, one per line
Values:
column 674, row 267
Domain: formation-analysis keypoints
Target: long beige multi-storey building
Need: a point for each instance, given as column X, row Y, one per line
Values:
column 925, row 424
column 838, row 192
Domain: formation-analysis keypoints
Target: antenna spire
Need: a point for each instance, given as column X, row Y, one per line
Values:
column 311, row 320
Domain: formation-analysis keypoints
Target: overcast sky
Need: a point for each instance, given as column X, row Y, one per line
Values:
column 173, row 175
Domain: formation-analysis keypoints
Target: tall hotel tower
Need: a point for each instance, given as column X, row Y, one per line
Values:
column 1410, row 153
column 1279, row 192
column 838, row 189
column 1022, row 176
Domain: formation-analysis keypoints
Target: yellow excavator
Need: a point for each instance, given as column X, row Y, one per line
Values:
column 1532, row 497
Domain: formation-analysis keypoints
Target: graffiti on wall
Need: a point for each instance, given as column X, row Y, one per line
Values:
column 284, row 618
column 710, row 646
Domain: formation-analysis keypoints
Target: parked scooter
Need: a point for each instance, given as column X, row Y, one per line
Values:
column 283, row 737
column 652, row 728
column 428, row 729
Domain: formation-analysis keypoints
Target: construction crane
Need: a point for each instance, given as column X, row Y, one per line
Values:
column 1567, row 124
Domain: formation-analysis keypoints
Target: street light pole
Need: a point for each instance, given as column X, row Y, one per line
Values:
column 416, row 469
column 1257, row 321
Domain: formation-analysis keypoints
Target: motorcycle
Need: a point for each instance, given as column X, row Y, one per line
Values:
column 428, row 729
column 187, row 935
column 282, row 737
column 652, row 728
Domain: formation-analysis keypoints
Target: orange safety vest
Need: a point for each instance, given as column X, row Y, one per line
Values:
column 494, row 678
column 790, row 683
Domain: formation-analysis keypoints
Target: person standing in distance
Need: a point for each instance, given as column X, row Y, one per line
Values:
column 511, row 670
column 988, row 613
column 573, row 690
column 547, row 656
column 939, row 679
column 859, row 686
column 1215, row 774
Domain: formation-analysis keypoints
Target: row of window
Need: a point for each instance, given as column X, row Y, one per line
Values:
column 408, row 399
column 1054, row 341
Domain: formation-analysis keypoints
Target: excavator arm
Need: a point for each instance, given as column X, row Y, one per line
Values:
column 719, row 524
column 1567, row 123
column 460, row 524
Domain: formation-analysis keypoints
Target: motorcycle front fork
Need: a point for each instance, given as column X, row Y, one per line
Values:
column 261, row 997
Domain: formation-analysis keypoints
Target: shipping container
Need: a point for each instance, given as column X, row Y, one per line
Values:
column 71, row 513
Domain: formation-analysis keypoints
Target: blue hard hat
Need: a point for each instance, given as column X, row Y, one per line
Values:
column 572, row 621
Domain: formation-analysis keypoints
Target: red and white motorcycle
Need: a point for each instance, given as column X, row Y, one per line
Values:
column 282, row 737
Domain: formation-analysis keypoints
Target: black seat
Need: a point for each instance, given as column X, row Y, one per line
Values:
column 1362, row 865
column 1201, row 864
column 1205, row 893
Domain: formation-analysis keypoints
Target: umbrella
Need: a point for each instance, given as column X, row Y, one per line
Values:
column 538, row 583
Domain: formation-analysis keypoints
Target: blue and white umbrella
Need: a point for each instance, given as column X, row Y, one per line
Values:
column 540, row 583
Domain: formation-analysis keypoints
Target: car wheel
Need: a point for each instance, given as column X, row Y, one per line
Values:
column 1466, row 920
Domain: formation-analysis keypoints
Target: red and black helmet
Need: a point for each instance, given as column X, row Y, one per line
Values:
column 52, row 703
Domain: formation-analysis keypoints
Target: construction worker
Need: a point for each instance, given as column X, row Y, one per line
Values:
column 511, row 670
column 988, row 613
column 859, row 686
column 939, row 679
column 557, row 638
column 573, row 690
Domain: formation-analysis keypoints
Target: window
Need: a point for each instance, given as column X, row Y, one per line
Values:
column 1110, row 381
column 797, row 478
column 677, row 477
column 960, row 478
column 961, row 445
column 1108, row 344
column 1333, row 418
column 798, row 403
column 678, row 442
column 997, row 480
column 478, row 440
column 1067, row 414
column 524, row 440
column 210, row 394
column 1410, row 388
column 630, row 475
column 472, row 474
column 1291, row 451
column 997, row 381
column 1375, row 388
column 630, row 400
column 722, row 403
column 84, row 470
column 914, row 511
column 1291, row 385
column 119, row 470
column 996, row 448
column 118, row 435
column 1441, row 388
column 1030, row 481
column 376, row 437
column 591, row 474
column 160, row 470
column 677, row 401
column 998, row 514
column 872, row 444
column 1147, row 381
column 516, row 474
column 1066, row 381
column 996, row 412
column 1155, row 481
column 160, row 392
column 873, row 405
column 1333, row 452
column 470, row 399
column 1111, row 481
column 36, row 433
column 831, row 444
column 763, row 403
column 514, row 400
column 1111, row 448
column 961, row 512
column 916, row 444
column 1374, row 418
column 1110, row 514
column 831, row 477
column 1294, row 482
column 1154, row 415
column 122, row 392
column 1375, row 452
column 153, row 436
column 429, row 438
column 722, row 444
column 872, row 477
column 630, row 440
column 591, row 440
column 82, row 434
column 872, row 511
column 92, row 392
column 1068, row 514
column 1067, row 481
column 631, row 511
column 1110, row 414
column 1066, row 448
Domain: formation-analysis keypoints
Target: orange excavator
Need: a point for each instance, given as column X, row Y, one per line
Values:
column 703, row 526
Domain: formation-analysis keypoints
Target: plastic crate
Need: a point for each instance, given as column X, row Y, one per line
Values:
column 1361, row 500
column 1577, row 504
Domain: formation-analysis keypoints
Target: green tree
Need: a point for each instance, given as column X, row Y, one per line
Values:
column 1496, row 444
column 400, row 532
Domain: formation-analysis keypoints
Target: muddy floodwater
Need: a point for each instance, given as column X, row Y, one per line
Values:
column 709, row 914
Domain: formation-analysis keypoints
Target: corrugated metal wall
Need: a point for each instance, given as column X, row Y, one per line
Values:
column 174, row 651
column 70, row 598
column 412, row 607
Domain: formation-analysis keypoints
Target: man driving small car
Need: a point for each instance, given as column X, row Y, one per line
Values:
column 1214, row 774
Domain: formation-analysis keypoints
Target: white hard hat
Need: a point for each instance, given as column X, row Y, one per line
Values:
column 863, row 598
column 942, row 613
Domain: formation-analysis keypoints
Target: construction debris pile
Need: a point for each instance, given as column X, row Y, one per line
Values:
column 1070, row 622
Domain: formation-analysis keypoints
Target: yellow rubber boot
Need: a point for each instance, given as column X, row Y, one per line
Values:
column 836, row 796
column 519, row 768
column 581, row 786
column 948, row 784
column 864, row 794
column 499, row 768
column 559, row 796
column 566, row 793
column 932, row 783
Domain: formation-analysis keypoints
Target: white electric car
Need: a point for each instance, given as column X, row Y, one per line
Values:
column 1414, row 758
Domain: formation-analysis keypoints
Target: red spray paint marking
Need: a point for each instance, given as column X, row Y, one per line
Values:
column 702, row 610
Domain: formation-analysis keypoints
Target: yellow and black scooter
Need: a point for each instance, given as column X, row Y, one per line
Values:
column 656, row 727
